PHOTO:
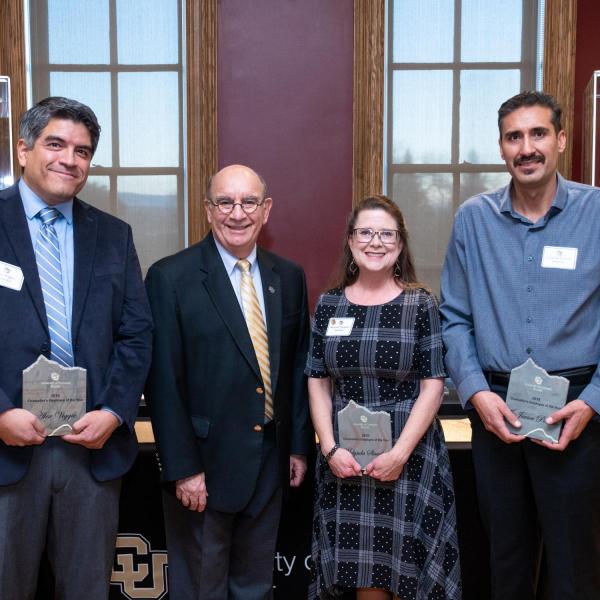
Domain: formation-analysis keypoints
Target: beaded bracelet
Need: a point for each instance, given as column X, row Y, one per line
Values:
column 330, row 454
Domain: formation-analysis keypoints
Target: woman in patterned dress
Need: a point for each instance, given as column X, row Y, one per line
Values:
column 388, row 531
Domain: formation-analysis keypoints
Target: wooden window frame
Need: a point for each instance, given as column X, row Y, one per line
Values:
column 368, row 91
column 201, row 95
column 12, row 63
column 560, row 28
column 560, row 23
column 202, row 161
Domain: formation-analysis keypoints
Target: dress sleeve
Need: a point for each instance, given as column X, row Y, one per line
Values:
column 429, row 359
column 315, row 361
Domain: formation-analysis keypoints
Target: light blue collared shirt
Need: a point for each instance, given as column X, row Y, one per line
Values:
column 503, row 303
column 235, row 275
column 32, row 204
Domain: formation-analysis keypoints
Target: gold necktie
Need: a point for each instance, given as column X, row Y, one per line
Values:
column 258, row 331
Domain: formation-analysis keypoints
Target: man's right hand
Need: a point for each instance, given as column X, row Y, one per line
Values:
column 19, row 427
column 494, row 413
column 191, row 492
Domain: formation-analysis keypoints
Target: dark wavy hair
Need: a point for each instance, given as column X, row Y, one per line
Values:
column 35, row 120
column 404, row 269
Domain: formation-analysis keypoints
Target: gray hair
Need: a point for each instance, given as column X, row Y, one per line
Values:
column 36, row 119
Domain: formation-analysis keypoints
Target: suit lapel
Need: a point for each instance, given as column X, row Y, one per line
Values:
column 218, row 286
column 85, row 232
column 17, row 232
column 271, row 285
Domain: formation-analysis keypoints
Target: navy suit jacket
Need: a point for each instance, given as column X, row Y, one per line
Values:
column 111, row 327
column 205, row 390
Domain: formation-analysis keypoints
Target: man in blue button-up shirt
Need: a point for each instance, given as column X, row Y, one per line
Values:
column 522, row 280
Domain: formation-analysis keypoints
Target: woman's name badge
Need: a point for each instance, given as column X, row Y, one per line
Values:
column 339, row 326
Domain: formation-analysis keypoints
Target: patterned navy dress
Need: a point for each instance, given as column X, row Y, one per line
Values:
column 400, row 535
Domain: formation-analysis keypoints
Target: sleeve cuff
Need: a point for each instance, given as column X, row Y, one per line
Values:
column 471, row 385
column 591, row 396
column 112, row 412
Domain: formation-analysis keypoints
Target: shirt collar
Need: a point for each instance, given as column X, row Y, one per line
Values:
column 562, row 193
column 32, row 203
column 230, row 261
column 558, row 204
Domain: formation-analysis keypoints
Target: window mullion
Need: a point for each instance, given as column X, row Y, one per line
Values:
column 390, row 97
column 114, row 100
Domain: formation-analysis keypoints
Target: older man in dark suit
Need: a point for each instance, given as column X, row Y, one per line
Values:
column 227, row 395
column 71, row 290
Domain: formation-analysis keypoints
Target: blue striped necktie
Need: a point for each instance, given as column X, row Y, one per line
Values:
column 47, row 256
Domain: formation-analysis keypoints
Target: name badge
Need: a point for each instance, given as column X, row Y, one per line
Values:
column 556, row 257
column 342, row 326
column 11, row 276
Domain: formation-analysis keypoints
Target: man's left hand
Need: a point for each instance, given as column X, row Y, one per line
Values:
column 297, row 469
column 576, row 415
column 93, row 429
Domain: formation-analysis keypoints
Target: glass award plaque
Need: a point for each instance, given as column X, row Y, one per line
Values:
column 56, row 395
column 6, row 150
column 533, row 395
column 590, row 146
column 364, row 433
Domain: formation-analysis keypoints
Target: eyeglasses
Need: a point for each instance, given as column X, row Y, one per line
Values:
column 226, row 205
column 366, row 235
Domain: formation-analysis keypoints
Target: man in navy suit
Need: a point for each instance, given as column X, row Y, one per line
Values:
column 57, row 493
column 229, row 412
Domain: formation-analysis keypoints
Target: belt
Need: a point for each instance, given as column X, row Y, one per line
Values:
column 578, row 376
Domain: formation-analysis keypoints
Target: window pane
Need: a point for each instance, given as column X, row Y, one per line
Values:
column 423, row 31
column 147, row 32
column 149, row 119
column 475, row 183
column 92, row 89
column 425, row 199
column 491, row 30
column 149, row 205
column 422, row 116
column 97, row 192
column 482, row 93
column 78, row 32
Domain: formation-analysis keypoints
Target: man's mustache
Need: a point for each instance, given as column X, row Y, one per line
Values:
column 520, row 160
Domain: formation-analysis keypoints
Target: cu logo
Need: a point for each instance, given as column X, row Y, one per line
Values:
column 139, row 571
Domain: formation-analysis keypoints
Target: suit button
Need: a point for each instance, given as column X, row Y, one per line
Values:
column 45, row 347
column 258, row 428
column 259, row 390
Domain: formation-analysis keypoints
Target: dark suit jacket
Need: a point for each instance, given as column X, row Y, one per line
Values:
column 111, row 327
column 205, row 389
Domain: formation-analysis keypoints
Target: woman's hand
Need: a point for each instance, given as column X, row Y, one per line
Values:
column 386, row 467
column 343, row 464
